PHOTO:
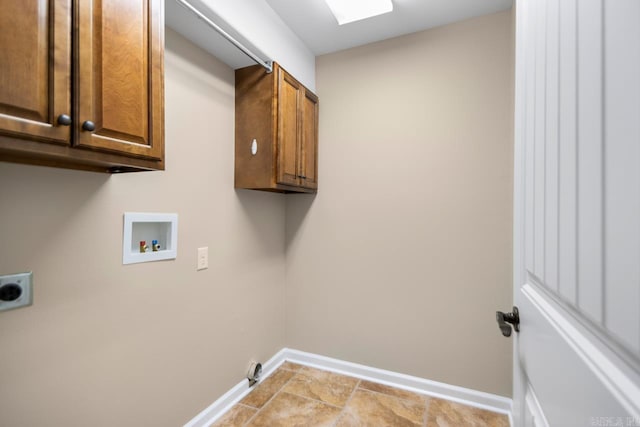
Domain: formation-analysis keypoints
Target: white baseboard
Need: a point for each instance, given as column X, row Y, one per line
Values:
column 462, row 395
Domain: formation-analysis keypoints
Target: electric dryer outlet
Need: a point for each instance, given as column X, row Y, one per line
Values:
column 16, row 290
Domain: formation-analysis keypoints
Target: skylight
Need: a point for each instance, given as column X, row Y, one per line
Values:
column 347, row 11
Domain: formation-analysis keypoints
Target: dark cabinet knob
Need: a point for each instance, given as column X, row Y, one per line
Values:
column 89, row 125
column 64, row 120
column 505, row 320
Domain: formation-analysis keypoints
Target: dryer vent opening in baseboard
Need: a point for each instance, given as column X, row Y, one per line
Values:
column 253, row 375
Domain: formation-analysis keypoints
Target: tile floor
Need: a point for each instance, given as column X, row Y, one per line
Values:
column 296, row 395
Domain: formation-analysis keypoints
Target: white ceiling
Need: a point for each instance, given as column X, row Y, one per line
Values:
column 315, row 26
column 313, row 22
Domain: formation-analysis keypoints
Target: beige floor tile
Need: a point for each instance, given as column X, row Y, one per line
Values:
column 236, row 416
column 267, row 388
column 443, row 413
column 380, row 410
column 289, row 410
column 392, row 391
column 297, row 395
column 325, row 386
column 290, row 366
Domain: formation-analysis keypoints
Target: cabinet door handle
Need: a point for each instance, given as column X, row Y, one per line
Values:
column 89, row 125
column 64, row 120
column 303, row 177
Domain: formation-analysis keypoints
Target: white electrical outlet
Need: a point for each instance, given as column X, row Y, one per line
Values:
column 16, row 291
column 203, row 258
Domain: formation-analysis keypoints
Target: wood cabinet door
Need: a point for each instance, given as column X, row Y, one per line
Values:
column 35, row 69
column 119, row 77
column 290, row 93
column 309, row 144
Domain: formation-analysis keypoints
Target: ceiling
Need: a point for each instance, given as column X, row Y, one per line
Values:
column 313, row 22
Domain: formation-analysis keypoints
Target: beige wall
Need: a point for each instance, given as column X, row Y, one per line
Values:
column 404, row 255
column 399, row 262
column 147, row 344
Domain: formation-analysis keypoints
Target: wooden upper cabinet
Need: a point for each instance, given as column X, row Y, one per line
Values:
column 290, row 93
column 110, row 116
column 119, row 77
column 276, row 132
column 35, row 70
column 309, row 141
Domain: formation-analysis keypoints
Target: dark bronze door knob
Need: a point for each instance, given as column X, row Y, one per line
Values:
column 506, row 320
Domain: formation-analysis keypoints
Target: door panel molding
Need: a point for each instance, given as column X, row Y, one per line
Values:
column 596, row 331
column 575, row 340
column 534, row 415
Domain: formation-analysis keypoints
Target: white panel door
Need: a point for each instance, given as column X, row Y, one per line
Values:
column 577, row 213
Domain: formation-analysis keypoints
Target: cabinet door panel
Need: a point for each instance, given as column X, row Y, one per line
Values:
column 35, row 68
column 309, row 167
column 119, row 77
column 289, row 92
